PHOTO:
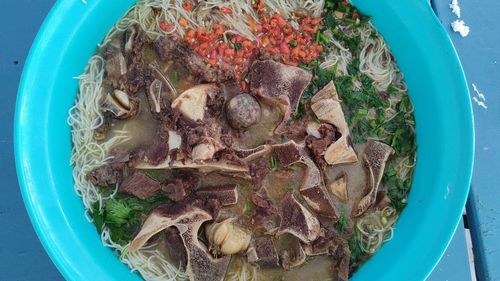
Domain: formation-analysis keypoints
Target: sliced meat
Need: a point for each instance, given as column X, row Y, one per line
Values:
column 295, row 130
column 173, row 50
column 297, row 220
column 262, row 251
column 226, row 194
column 180, row 186
column 286, row 153
column 280, row 85
column 140, row 185
column 375, row 156
column 259, row 169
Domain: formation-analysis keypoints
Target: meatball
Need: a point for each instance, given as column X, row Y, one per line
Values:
column 243, row 111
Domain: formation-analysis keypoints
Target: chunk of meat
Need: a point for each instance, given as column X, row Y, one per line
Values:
column 173, row 50
column 343, row 257
column 180, row 186
column 140, row 185
column 157, row 151
column 295, row 130
column 264, row 203
column 319, row 145
column 330, row 243
column 104, row 176
column 119, row 159
column 133, row 80
column 280, row 85
column 262, row 251
column 297, row 220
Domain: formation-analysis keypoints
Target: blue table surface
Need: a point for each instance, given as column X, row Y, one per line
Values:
column 23, row 258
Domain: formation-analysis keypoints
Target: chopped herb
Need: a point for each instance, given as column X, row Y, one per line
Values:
column 354, row 245
column 158, row 175
column 283, row 138
column 292, row 43
column 175, row 76
column 117, row 211
column 343, row 221
column 248, row 207
column 273, row 163
column 293, row 186
column 237, row 46
column 259, row 141
column 321, row 38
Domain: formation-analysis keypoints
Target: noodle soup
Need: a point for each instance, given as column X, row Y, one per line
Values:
column 243, row 140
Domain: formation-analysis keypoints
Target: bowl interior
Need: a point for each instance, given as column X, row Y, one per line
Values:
column 437, row 89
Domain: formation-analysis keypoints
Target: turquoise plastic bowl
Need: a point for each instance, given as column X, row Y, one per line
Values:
column 437, row 87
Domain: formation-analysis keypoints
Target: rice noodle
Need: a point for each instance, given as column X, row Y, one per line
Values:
column 376, row 228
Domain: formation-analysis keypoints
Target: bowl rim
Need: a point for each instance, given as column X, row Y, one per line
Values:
column 23, row 166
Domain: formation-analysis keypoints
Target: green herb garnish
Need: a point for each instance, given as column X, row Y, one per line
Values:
column 175, row 76
column 122, row 215
column 343, row 221
column 273, row 163
column 293, row 186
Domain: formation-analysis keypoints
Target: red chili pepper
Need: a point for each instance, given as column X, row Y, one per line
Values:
column 187, row 6
column 226, row 10
column 165, row 25
column 284, row 49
